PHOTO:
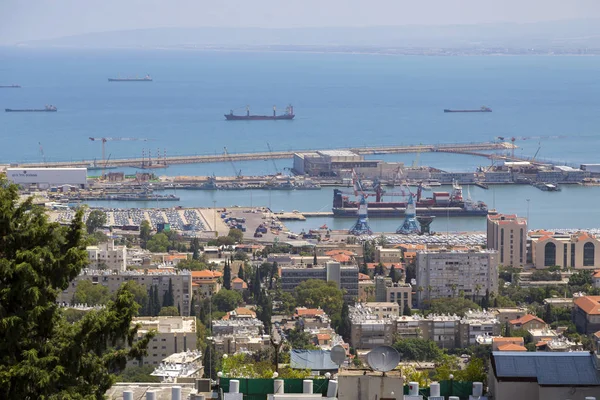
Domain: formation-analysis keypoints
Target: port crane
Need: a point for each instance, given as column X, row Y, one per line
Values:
column 112, row 139
column 361, row 226
column 236, row 172
column 273, row 159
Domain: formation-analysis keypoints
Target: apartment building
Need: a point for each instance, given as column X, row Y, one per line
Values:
column 346, row 277
column 249, row 326
column 448, row 273
column 181, row 282
column 586, row 314
column 173, row 335
column 107, row 256
column 385, row 255
column 388, row 291
column 384, row 309
column 580, row 250
column 507, row 234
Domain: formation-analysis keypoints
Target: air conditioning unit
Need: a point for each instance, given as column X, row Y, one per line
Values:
column 203, row 386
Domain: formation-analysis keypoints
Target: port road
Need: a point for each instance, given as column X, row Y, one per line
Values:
column 464, row 148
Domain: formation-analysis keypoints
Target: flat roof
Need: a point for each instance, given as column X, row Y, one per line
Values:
column 338, row 153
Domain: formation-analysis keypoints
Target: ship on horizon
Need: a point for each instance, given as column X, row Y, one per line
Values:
column 288, row 115
column 10, row 86
column 146, row 78
column 47, row 108
column 482, row 109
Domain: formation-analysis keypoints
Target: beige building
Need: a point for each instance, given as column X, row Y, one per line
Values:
column 346, row 277
column 580, row 250
column 449, row 273
column 233, row 344
column 206, row 283
column 586, row 313
column 508, row 314
column 383, row 255
column 107, row 256
column 181, row 282
column 384, row 310
column 173, row 335
column 508, row 235
column 388, row 291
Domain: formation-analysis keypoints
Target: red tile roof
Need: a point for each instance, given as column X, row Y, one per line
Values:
column 525, row 319
column 344, row 252
column 511, row 347
column 589, row 304
column 363, row 277
column 205, row 273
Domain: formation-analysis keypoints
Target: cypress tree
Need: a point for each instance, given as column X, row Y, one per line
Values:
column 227, row 276
column 345, row 324
column 394, row 274
column 156, row 302
column 241, row 273
column 406, row 309
column 192, row 306
column 315, row 258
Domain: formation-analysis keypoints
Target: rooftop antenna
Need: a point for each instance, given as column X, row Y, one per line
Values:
column 383, row 359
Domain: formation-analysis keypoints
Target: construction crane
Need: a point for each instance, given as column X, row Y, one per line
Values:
column 513, row 139
column 112, row 139
column 237, row 174
column 273, row 159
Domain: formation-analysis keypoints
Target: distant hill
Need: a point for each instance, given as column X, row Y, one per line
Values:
column 572, row 33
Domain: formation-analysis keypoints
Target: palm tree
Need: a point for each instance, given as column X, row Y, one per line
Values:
column 429, row 289
column 454, row 286
column 420, row 290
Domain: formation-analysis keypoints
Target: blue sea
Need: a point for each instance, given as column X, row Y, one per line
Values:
column 550, row 104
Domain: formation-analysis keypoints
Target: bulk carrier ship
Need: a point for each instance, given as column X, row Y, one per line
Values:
column 289, row 115
column 147, row 78
column 441, row 204
column 45, row 109
column 480, row 110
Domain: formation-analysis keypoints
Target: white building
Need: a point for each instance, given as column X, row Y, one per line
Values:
column 448, row 273
column 45, row 178
column 107, row 256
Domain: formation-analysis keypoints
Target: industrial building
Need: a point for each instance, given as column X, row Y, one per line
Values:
column 45, row 178
column 447, row 273
column 329, row 162
column 346, row 277
column 508, row 235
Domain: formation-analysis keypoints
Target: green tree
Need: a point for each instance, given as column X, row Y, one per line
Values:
column 581, row 278
column 195, row 248
column 241, row 273
column 380, row 269
column 394, row 275
column 418, row 349
column 145, row 233
column 169, row 311
column 158, row 243
column 317, row 293
column 226, row 300
column 96, row 219
column 345, row 324
column 138, row 374
column 43, row 355
column 88, row 293
column 96, row 238
column 140, row 295
column 168, row 296
column 264, row 311
column 406, row 309
column 236, row 234
column 211, row 361
column 155, row 302
column 300, row 340
column 227, row 276
column 192, row 265
column 457, row 305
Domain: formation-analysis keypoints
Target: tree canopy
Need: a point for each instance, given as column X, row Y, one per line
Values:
column 95, row 220
column 418, row 350
column 226, row 300
column 455, row 305
column 316, row 293
column 92, row 295
column 158, row 243
column 42, row 355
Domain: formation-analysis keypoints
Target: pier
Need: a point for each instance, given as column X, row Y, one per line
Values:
column 464, row 148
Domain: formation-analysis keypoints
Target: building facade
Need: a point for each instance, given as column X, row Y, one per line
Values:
column 388, row 291
column 586, row 314
column 107, row 256
column 173, row 335
column 181, row 283
column 507, row 234
column 446, row 274
column 346, row 277
column 581, row 250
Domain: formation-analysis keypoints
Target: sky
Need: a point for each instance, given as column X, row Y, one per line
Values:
column 22, row 20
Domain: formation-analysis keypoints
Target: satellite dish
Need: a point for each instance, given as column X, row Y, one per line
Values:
column 383, row 358
column 338, row 355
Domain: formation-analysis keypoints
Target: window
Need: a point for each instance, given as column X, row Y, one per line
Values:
column 588, row 254
column 565, row 256
column 549, row 254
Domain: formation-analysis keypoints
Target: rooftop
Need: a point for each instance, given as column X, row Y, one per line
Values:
column 166, row 324
column 525, row 319
column 589, row 304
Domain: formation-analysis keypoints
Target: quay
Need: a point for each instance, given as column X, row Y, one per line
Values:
column 464, row 148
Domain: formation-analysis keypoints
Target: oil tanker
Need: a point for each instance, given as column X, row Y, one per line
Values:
column 45, row 109
column 482, row 109
column 441, row 204
column 288, row 115
column 147, row 78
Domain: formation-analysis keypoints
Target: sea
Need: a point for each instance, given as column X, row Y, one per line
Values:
column 549, row 104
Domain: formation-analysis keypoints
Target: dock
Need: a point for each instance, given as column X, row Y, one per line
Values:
column 464, row 148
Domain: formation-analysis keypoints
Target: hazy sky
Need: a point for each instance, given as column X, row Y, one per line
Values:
column 38, row 19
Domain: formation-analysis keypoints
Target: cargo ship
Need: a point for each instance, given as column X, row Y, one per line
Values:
column 10, row 86
column 441, row 204
column 45, row 109
column 288, row 115
column 147, row 78
column 482, row 109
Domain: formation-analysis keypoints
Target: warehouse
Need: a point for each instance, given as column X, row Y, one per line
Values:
column 44, row 178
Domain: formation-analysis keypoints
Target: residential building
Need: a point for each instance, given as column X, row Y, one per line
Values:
column 527, row 322
column 237, row 343
column 384, row 255
column 366, row 287
column 107, row 256
column 475, row 324
column 345, row 277
column 240, row 313
column 543, row 335
column 173, row 335
column 580, row 250
column 238, row 284
column 180, row 281
column 368, row 330
column 507, row 234
column 312, row 318
column 408, row 327
column 446, row 274
column 186, row 365
column 248, row 326
column 508, row 314
column 586, row 314
column 388, row 291
column 508, row 344
column 442, row 329
column 206, row 283
column 384, row 309
column 543, row 376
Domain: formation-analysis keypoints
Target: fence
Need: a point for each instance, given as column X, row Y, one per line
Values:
column 258, row 389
